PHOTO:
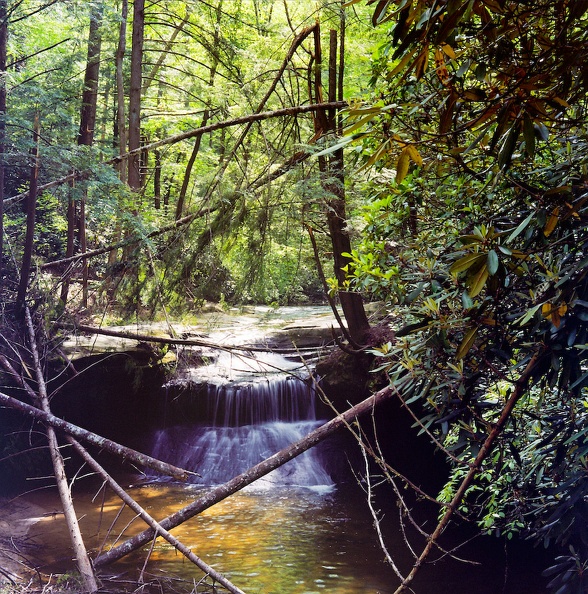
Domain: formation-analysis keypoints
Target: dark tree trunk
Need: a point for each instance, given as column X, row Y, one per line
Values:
column 25, row 268
column 332, row 171
column 134, row 172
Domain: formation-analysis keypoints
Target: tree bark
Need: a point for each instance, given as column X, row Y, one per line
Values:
column 121, row 124
column 216, row 494
column 79, row 549
column 332, row 170
column 134, row 173
column 3, row 49
column 154, row 524
column 76, row 214
column 25, row 268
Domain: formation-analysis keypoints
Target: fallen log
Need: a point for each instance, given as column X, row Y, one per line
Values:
column 87, row 436
column 178, row 341
column 88, row 578
column 147, row 518
column 237, row 483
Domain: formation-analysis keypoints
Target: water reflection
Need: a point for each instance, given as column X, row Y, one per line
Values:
column 283, row 541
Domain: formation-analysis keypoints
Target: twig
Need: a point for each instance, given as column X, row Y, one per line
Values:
column 486, row 448
column 156, row 526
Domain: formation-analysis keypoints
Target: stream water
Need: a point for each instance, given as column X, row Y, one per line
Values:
column 302, row 529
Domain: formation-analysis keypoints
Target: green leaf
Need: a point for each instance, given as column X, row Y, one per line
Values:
column 522, row 226
column 492, row 262
column 467, row 343
column 508, row 146
column 466, row 301
column 380, row 12
column 335, row 147
column 402, row 166
column 529, row 134
column 466, row 262
column 477, row 281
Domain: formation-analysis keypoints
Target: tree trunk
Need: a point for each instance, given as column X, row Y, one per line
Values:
column 332, row 171
column 76, row 214
column 3, row 44
column 134, row 173
column 80, row 554
column 25, row 268
column 121, row 125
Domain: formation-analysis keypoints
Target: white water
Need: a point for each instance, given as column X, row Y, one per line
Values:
column 248, row 409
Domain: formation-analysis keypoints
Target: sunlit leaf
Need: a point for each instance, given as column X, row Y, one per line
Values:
column 448, row 50
column 551, row 223
column 402, row 166
column 415, row 155
column 466, row 262
column 402, row 64
column 493, row 262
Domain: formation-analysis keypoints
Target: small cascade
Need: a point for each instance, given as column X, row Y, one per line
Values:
column 244, row 413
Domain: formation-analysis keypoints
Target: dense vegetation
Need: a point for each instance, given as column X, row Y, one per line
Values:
column 463, row 148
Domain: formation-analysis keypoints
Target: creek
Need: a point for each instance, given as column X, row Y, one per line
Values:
column 304, row 528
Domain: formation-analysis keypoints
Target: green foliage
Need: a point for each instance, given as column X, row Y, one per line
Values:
column 477, row 234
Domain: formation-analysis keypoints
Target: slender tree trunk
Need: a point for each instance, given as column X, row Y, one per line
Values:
column 188, row 172
column 205, row 116
column 76, row 215
column 332, row 171
column 79, row 549
column 121, row 124
column 25, row 268
column 134, row 173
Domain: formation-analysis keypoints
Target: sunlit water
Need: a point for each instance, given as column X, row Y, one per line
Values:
column 282, row 541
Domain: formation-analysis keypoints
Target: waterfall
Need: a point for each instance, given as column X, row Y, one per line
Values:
column 243, row 413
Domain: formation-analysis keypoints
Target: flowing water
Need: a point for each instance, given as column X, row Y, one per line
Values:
column 303, row 528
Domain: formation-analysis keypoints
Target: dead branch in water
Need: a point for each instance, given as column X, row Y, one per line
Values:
column 216, row 494
column 148, row 519
column 79, row 549
column 110, row 446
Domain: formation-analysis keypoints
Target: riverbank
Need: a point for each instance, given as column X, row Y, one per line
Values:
column 17, row 550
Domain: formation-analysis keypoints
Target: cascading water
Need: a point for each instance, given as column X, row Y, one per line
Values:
column 245, row 409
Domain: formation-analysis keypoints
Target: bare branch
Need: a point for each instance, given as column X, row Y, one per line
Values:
column 223, row 491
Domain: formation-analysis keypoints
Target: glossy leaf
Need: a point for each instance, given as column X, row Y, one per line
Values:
column 466, row 262
column 467, row 343
column 477, row 282
column 492, row 262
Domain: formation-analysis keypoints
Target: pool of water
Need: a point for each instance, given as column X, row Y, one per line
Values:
column 284, row 541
